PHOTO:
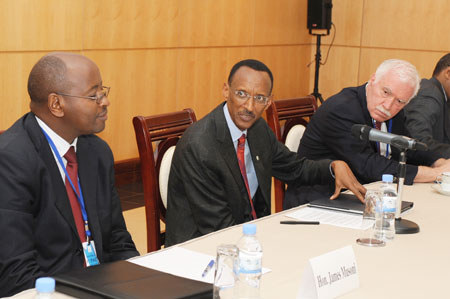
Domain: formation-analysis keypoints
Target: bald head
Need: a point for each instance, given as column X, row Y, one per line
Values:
column 50, row 74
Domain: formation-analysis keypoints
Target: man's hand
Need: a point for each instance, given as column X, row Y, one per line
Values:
column 344, row 178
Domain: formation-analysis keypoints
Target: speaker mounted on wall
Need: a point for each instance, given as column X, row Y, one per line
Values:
column 319, row 15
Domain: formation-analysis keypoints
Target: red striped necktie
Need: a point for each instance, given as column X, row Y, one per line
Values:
column 72, row 170
column 241, row 160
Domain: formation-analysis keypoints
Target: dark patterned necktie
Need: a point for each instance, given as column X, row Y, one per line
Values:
column 241, row 160
column 72, row 170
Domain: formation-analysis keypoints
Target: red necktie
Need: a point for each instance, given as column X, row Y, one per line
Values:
column 241, row 160
column 377, row 125
column 72, row 170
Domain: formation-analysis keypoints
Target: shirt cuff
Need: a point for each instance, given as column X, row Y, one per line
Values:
column 331, row 171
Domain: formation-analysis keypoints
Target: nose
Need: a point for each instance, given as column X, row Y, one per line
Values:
column 105, row 101
column 387, row 104
column 250, row 104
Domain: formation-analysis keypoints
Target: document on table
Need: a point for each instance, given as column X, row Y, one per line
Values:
column 335, row 218
column 180, row 262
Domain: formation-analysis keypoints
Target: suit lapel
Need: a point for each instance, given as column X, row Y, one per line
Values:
column 59, row 189
column 257, row 146
column 226, row 146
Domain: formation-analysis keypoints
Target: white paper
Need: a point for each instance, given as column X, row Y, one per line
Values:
column 335, row 218
column 181, row 262
column 330, row 275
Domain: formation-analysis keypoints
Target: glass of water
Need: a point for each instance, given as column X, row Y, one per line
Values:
column 224, row 277
column 373, row 201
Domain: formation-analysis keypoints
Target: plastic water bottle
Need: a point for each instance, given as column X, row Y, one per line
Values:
column 45, row 286
column 250, row 263
column 385, row 219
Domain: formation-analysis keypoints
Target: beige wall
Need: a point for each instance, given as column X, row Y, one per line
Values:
column 370, row 31
column 165, row 55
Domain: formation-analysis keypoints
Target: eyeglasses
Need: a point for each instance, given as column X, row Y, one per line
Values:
column 244, row 96
column 97, row 98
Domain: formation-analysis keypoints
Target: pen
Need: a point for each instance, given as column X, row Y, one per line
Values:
column 300, row 222
column 208, row 268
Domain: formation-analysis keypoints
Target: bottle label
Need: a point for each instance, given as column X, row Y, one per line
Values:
column 389, row 204
column 250, row 263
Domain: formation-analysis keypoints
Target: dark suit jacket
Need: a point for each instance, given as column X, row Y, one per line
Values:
column 206, row 188
column 38, row 236
column 426, row 117
column 328, row 135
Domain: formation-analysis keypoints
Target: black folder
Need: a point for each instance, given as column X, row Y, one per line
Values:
column 348, row 203
column 124, row 279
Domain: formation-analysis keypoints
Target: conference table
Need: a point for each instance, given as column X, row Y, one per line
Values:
column 410, row 266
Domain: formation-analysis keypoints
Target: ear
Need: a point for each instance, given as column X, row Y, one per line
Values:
column 55, row 104
column 372, row 79
column 447, row 73
column 226, row 91
column 268, row 103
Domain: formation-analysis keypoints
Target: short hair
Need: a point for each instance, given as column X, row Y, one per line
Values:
column 47, row 75
column 253, row 64
column 443, row 63
column 405, row 71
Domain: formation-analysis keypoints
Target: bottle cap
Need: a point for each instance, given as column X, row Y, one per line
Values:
column 45, row 284
column 389, row 178
column 249, row 228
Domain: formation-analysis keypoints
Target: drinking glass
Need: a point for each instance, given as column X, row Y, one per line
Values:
column 224, row 277
column 373, row 201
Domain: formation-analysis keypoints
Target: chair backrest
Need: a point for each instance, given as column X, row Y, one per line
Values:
column 288, row 119
column 162, row 132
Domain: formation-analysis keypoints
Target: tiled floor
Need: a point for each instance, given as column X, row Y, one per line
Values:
column 131, row 196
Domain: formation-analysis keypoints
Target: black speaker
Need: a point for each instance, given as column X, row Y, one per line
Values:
column 319, row 15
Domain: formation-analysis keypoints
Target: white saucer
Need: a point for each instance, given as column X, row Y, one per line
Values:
column 439, row 189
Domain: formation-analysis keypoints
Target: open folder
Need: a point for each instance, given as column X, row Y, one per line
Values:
column 348, row 203
column 123, row 279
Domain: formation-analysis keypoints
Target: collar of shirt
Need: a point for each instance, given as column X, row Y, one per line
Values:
column 443, row 91
column 61, row 145
column 235, row 132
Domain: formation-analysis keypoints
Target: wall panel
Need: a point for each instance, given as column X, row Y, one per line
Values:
column 280, row 22
column 205, row 23
column 407, row 24
column 44, row 25
column 131, row 24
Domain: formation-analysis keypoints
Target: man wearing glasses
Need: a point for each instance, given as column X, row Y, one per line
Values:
column 223, row 165
column 59, row 209
column 378, row 103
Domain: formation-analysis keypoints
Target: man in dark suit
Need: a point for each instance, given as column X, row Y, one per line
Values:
column 222, row 166
column 378, row 103
column 427, row 115
column 41, row 228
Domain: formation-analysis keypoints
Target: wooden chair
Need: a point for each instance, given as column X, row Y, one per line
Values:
column 294, row 113
column 162, row 131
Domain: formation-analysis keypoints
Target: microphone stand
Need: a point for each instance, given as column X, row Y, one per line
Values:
column 403, row 226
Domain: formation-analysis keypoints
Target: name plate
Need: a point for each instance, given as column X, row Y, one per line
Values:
column 330, row 275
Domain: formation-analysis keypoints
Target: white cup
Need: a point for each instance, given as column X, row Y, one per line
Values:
column 444, row 179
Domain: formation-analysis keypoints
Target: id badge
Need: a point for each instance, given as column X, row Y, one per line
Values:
column 90, row 255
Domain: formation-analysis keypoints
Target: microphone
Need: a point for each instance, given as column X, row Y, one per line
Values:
column 364, row 132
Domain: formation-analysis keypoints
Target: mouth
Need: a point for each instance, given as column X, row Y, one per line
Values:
column 246, row 116
column 383, row 112
column 103, row 115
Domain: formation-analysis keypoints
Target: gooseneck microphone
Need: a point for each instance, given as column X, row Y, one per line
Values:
column 364, row 132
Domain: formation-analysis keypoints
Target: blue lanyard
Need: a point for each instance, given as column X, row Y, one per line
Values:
column 389, row 130
column 79, row 196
